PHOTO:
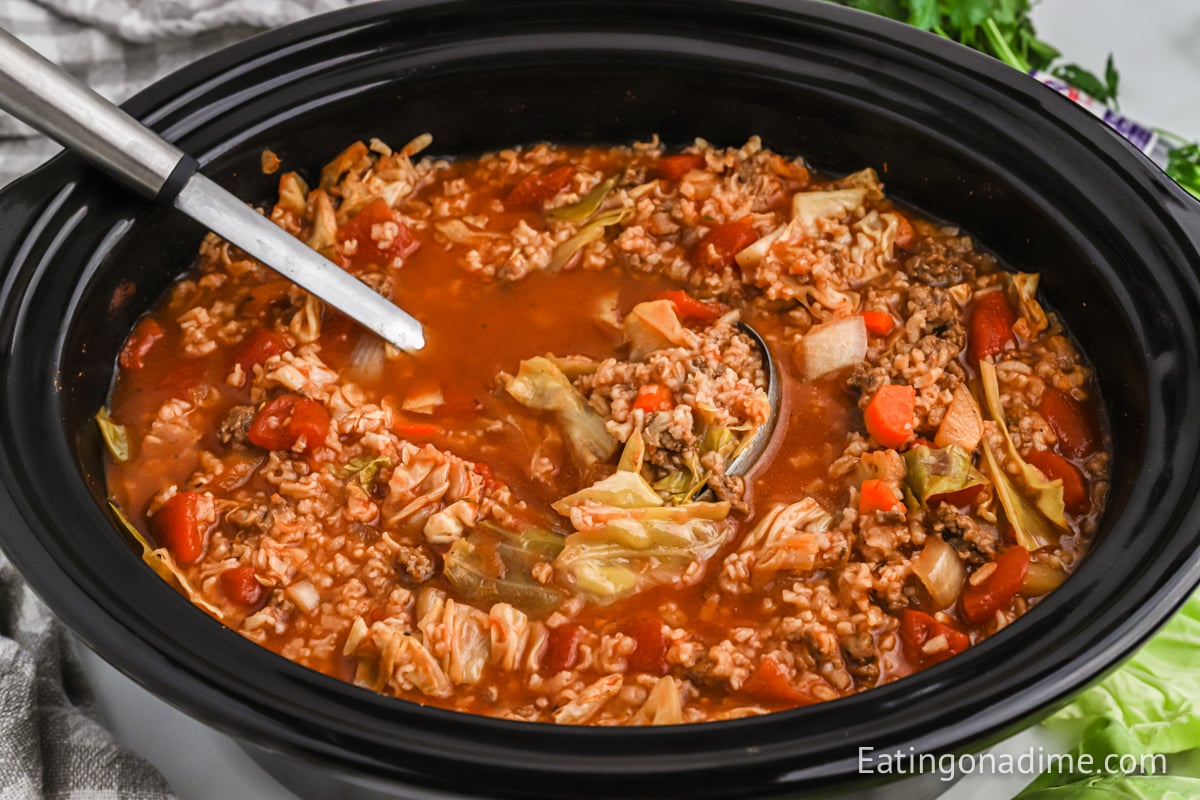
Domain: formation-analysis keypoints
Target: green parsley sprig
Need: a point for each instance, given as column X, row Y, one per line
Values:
column 1004, row 30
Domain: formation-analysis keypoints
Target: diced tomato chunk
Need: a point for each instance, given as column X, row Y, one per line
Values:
column 1073, row 423
column 769, row 681
column 652, row 397
column 724, row 240
column 675, row 167
column 379, row 235
column 991, row 325
column 180, row 377
column 240, row 585
column 562, row 646
column 651, row 652
column 280, row 423
column 688, row 307
column 534, row 190
column 981, row 602
column 258, row 347
column 336, row 327
column 918, row 630
column 137, row 346
column 1055, row 467
column 310, row 420
column 178, row 527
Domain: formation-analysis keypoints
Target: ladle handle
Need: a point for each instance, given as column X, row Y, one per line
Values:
column 40, row 94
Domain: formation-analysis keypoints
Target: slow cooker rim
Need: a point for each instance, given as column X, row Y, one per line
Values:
column 65, row 168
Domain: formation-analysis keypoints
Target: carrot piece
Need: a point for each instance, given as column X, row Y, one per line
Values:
column 904, row 231
column 876, row 495
column 879, row 323
column 1055, row 467
column 981, row 601
column 415, row 430
column 990, row 330
column 178, row 527
column 889, row 415
column 688, row 307
column 675, row 167
column 653, row 397
column 1072, row 422
column 137, row 346
column 717, row 248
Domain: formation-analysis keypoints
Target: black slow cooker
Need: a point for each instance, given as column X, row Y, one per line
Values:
column 963, row 137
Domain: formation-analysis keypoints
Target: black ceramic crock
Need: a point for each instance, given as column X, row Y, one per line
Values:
column 963, row 137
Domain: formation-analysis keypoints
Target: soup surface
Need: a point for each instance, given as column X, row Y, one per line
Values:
column 536, row 516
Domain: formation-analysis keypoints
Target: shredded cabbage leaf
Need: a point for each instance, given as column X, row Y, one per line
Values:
column 932, row 472
column 1022, row 293
column 622, row 489
column 589, row 233
column 586, row 206
column 116, row 438
column 365, row 470
column 494, row 565
column 654, row 325
column 627, row 540
column 1047, row 495
column 1032, row 529
column 542, row 386
column 808, row 207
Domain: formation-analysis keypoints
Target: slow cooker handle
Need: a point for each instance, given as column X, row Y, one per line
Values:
column 38, row 93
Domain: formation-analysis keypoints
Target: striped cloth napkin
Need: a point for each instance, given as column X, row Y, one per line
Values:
column 51, row 743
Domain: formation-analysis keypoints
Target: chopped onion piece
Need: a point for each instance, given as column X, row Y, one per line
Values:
column 425, row 402
column 304, row 595
column 963, row 422
column 940, row 569
column 832, row 346
column 366, row 362
column 1041, row 579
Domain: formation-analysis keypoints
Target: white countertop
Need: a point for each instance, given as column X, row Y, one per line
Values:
column 1157, row 49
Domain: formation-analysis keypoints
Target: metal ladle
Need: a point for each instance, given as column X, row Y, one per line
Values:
column 750, row 454
column 43, row 96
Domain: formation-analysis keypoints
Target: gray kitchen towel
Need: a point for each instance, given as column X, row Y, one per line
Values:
column 51, row 743
column 119, row 46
